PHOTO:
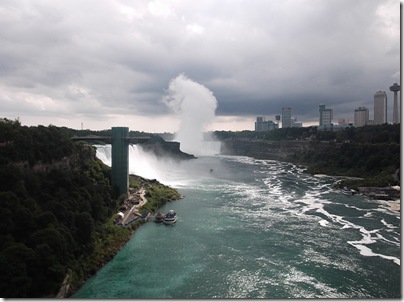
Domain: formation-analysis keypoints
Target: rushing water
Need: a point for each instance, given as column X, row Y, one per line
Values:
column 256, row 229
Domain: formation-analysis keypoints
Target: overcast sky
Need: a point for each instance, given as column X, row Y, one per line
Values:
column 108, row 63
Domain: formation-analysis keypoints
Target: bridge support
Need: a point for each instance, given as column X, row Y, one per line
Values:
column 120, row 160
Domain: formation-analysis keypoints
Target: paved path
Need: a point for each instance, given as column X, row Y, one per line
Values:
column 129, row 215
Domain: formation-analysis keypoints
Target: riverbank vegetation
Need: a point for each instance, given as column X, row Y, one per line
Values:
column 369, row 152
column 56, row 211
column 157, row 194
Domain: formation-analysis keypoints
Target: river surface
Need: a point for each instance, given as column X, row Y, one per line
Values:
column 255, row 229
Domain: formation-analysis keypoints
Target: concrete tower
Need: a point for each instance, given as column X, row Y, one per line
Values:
column 120, row 160
column 395, row 88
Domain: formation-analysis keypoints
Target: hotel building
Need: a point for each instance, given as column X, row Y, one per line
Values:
column 380, row 108
column 361, row 117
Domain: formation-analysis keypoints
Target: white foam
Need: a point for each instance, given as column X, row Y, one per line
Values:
column 365, row 251
column 323, row 222
column 368, row 239
column 388, row 224
column 397, row 242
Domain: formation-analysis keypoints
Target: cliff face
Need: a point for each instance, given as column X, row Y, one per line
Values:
column 168, row 149
column 260, row 149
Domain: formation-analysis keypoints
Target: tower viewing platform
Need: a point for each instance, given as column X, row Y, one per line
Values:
column 120, row 141
column 395, row 88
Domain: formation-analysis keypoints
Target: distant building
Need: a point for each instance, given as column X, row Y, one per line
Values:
column 286, row 117
column 326, row 115
column 262, row 125
column 342, row 121
column 380, row 108
column 296, row 124
column 361, row 116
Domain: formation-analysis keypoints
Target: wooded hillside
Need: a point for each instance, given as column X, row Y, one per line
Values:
column 54, row 201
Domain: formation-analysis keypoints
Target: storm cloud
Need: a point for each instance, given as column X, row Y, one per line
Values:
column 104, row 62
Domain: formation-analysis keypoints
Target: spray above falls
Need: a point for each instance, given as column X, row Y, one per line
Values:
column 195, row 106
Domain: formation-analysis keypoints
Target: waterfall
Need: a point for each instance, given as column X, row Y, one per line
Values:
column 166, row 170
column 103, row 153
column 140, row 162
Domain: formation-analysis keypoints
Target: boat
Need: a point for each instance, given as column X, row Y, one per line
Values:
column 159, row 217
column 170, row 217
column 347, row 191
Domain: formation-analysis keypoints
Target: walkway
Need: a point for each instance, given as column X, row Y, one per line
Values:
column 134, row 211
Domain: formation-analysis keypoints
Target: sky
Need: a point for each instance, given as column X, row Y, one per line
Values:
column 97, row 64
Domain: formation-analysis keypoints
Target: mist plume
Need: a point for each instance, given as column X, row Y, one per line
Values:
column 195, row 106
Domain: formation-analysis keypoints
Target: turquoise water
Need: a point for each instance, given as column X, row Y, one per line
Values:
column 257, row 229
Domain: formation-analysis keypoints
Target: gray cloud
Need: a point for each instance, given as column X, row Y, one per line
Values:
column 117, row 57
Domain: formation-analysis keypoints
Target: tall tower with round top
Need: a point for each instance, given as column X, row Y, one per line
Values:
column 395, row 88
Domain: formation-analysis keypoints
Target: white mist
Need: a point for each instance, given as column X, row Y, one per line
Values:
column 195, row 105
column 147, row 165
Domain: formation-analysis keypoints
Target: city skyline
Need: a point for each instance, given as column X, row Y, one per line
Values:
column 68, row 64
column 361, row 115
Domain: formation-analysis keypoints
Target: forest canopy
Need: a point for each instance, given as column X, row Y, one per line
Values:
column 55, row 198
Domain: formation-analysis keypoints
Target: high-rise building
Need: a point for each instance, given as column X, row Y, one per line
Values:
column 326, row 115
column 380, row 108
column 286, row 117
column 296, row 124
column 361, row 116
column 262, row 125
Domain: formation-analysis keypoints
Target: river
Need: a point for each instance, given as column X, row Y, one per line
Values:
column 254, row 229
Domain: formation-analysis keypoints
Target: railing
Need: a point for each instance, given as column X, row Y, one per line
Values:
column 130, row 139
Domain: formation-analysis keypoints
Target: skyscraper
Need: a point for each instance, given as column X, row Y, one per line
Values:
column 326, row 115
column 262, row 125
column 286, row 117
column 361, row 117
column 380, row 108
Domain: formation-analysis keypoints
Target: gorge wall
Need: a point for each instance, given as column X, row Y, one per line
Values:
column 166, row 149
column 262, row 149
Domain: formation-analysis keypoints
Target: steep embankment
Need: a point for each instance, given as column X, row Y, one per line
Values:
column 55, row 199
column 377, row 163
column 264, row 149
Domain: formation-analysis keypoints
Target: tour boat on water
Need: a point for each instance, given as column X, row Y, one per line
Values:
column 159, row 217
column 170, row 217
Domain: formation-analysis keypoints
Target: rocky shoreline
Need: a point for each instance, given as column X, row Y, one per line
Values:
column 381, row 193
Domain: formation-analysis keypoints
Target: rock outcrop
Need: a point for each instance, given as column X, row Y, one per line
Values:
column 166, row 149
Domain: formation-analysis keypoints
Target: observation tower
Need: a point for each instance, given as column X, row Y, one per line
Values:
column 395, row 88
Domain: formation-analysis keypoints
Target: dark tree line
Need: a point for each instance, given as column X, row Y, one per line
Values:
column 49, row 220
column 367, row 135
